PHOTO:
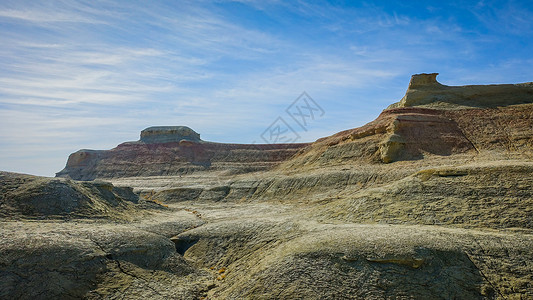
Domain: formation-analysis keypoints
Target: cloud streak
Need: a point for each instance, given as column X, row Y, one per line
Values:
column 90, row 74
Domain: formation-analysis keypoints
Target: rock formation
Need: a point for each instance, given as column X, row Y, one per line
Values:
column 37, row 197
column 429, row 119
column 411, row 132
column 425, row 90
column 432, row 200
column 174, row 150
column 168, row 134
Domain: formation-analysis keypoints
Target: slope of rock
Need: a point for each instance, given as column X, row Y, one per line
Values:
column 29, row 196
column 477, row 195
column 277, row 253
column 97, row 260
column 413, row 133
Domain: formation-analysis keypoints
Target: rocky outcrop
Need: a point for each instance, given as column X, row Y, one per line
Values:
column 174, row 151
column 413, row 133
column 71, row 260
column 484, row 195
column 255, row 251
column 168, row 134
column 421, row 124
column 425, row 90
column 330, row 261
column 26, row 196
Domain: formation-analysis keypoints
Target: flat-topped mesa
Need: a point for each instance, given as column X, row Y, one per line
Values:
column 425, row 90
column 168, row 134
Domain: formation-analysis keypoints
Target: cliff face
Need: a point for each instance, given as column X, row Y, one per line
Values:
column 397, row 134
column 414, row 133
column 173, row 151
column 434, row 119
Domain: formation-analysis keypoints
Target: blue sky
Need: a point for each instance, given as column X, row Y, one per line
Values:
column 93, row 74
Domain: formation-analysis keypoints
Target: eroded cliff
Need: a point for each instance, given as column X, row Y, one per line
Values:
column 174, row 150
column 424, row 89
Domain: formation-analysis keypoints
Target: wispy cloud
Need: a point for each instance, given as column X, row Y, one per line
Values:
column 49, row 16
column 509, row 17
column 90, row 74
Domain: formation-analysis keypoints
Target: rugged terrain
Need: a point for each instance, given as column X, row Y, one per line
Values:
column 432, row 200
column 173, row 151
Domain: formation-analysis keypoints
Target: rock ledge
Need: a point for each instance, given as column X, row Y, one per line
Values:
column 425, row 90
column 168, row 134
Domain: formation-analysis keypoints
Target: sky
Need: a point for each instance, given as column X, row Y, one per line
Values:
column 92, row 74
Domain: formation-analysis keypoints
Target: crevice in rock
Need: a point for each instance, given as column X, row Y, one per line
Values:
column 99, row 246
column 494, row 287
column 122, row 270
column 183, row 244
column 466, row 137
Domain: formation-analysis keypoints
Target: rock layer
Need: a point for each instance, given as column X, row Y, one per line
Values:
column 421, row 124
column 174, row 151
column 412, row 133
column 167, row 134
column 39, row 197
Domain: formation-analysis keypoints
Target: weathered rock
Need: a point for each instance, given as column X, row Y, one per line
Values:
column 484, row 195
column 412, row 133
column 168, row 134
column 288, row 258
column 392, row 148
column 29, row 196
column 92, row 261
column 174, row 151
column 425, row 90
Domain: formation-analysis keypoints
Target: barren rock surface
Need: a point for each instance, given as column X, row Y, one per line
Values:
column 426, row 202
column 26, row 196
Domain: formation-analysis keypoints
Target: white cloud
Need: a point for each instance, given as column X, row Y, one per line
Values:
column 37, row 16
